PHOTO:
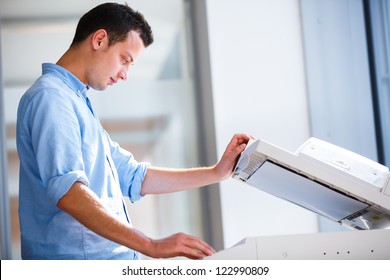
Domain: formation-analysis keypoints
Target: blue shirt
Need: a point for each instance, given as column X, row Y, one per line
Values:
column 60, row 141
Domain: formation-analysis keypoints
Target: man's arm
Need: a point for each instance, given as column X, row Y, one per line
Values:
column 164, row 180
column 85, row 206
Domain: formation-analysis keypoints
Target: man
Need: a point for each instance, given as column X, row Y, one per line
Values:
column 72, row 176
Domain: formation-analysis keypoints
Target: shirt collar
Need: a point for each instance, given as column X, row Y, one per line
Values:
column 67, row 77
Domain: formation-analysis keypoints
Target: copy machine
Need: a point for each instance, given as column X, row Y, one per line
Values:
column 328, row 180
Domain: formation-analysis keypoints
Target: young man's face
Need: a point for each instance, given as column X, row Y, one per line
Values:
column 112, row 63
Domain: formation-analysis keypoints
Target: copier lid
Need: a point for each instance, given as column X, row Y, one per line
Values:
column 321, row 177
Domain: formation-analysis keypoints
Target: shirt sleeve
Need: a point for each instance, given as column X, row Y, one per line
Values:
column 56, row 141
column 131, row 173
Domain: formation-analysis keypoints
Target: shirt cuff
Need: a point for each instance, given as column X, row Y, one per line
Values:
column 58, row 186
column 135, row 189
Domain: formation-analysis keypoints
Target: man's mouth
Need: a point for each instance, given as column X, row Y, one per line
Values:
column 112, row 81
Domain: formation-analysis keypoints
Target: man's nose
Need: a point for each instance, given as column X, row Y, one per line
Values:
column 123, row 75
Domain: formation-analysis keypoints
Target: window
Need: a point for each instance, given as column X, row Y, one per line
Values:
column 153, row 114
column 377, row 14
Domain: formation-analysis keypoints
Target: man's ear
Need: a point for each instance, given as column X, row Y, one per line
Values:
column 99, row 39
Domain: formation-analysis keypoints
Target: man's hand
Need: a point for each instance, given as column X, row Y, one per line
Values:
column 165, row 180
column 230, row 156
column 179, row 244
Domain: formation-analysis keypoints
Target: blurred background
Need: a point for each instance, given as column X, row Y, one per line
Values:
column 280, row 70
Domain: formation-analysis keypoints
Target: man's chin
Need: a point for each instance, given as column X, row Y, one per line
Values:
column 99, row 88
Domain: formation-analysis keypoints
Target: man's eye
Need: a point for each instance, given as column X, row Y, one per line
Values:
column 127, row 61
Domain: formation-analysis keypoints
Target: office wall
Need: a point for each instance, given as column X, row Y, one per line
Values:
column 258, row 79
column 338, row 74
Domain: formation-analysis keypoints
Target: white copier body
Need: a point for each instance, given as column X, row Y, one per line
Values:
column 331, row 181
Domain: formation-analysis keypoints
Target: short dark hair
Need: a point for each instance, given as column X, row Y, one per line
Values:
column 117, row 19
